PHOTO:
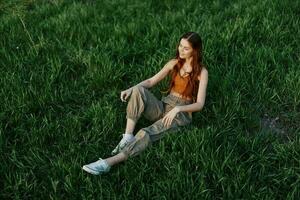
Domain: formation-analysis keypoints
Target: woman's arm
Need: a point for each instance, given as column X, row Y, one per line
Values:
column 200, row 95
column 148, row 83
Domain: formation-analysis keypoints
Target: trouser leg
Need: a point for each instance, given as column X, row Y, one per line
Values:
column 142, row 101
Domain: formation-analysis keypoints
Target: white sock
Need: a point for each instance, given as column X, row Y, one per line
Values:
column 128, row 136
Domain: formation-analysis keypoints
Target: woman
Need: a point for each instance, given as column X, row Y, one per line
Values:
column 187, row 93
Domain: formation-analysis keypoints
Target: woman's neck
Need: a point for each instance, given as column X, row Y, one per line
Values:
column 188, row 61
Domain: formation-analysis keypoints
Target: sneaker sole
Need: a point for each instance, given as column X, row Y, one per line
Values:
column 85, row 168
column 114, row 152
column 119, row 149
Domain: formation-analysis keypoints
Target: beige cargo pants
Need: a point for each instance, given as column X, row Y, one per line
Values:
column 142, row 101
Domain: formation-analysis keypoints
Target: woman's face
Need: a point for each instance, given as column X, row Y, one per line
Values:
column 185, row 49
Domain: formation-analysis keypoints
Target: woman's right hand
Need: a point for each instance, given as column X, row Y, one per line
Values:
column 125, row 94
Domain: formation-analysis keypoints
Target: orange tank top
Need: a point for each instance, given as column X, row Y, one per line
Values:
column 180, row 83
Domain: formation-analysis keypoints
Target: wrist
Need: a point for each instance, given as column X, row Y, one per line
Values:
column 130, row 89
column 178, row 109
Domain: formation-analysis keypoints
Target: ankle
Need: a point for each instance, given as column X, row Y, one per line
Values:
column 129, row 133
column 124, row 156
column 109, row 162
column 128, row 136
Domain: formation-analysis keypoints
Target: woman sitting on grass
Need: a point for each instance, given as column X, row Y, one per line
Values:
column 187, row 93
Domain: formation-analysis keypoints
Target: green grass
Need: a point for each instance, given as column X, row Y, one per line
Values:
column 64, row 63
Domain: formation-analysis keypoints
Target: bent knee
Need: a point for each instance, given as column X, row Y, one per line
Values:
column 137, row 89
column 144, row 136
column 141, row 134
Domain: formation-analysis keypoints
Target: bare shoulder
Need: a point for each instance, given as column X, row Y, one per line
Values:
column 203, row 74
column 171, row 63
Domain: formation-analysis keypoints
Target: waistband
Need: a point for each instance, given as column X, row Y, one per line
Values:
column 174, row 100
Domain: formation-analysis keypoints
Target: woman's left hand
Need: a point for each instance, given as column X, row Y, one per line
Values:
column 168, row 118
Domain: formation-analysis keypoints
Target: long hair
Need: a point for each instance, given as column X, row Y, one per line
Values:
column 196, row 42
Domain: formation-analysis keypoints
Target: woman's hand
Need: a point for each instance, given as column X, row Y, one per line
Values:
column 125, row 94
column 168, row 118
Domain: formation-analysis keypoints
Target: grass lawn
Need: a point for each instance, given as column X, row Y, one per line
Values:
column 63, row 64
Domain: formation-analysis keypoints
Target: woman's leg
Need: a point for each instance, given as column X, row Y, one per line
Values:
column 141, row 101
column 130, row 125
column 120, row 157
column 143, row 139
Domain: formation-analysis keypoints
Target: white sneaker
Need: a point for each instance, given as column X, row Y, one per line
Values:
column 122, row 144
column 98, row 167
